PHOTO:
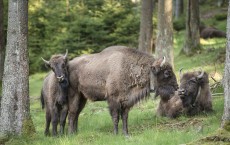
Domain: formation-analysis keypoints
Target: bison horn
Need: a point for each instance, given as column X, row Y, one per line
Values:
column 66, row 54
column 45, row 61
column 163, row 61
column 201, row 74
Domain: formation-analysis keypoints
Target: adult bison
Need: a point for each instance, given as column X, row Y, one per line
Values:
column 119, row 75
column 211, row 32
column 193, row 96
column 195, row 92
column 54, row 93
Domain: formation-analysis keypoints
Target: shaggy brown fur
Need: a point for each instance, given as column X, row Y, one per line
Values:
column 193, row 97
column 119, row 75
column 54, row 94
column 171, row 108
column 211, row 32
column 195, row 92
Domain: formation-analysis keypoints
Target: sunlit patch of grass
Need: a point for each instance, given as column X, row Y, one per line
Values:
column 36, row 81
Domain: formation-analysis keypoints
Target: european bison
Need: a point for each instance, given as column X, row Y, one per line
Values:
column 119, row 75
column 192, row 97
column 211, row 32
column 195, row 92
column 54, row 93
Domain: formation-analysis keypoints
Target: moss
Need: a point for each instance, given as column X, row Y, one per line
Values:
column 4, row 138
column 221, row 136
column 28, row 129
column 226, row 126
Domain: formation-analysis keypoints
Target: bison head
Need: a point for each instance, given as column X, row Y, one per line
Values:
column 58, row 64
column 190, row 84
column 165, row 79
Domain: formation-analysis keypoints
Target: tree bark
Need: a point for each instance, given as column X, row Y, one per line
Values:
column 192, row 36
column 67, row 7
column 2, row 42
column 226, row 114
column 220, row 3
column 164, row 43
column 146, row 26
column 15, row 100
column 179, row 8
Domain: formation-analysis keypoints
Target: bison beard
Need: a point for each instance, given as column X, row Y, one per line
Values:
column 119, row 75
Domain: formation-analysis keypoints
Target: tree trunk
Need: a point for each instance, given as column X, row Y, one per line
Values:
column 2, row 42
column 15, row 100
column 179, row 8
column 220, row 3
column 67, row 7
column 192, row 36
column 146, row 26
column 164, row 43
column 226, row 115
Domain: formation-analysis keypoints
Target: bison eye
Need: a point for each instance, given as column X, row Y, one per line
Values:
column 193, row 81
column 166, row 74
column 63, row 65
column 155, row 70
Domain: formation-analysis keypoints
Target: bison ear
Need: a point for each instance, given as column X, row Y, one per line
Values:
column 166, row 74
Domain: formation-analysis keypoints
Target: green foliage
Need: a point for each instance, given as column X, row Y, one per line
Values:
column 221, row 17
column 89, row 26
column 179, row 24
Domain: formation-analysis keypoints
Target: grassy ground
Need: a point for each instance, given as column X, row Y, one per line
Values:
column 95, row 124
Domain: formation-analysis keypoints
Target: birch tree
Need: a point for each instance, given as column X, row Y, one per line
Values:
column 226, row 115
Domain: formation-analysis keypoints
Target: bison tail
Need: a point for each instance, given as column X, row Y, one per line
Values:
column 42, row 100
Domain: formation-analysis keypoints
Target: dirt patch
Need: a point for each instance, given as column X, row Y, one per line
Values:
column 181, row 125
column 220, row 137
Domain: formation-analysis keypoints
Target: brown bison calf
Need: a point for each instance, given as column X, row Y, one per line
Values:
column 193, row 96
column 54, row 93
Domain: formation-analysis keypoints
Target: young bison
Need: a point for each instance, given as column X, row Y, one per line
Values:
column 54, row 93
column 193, row 96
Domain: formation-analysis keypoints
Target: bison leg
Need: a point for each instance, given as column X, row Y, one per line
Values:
column 114, row 112
column 81, row 105
column 48, row 120
column 54, row 121
column 71, row 122
column 124, row 116
column 63, row 115
column 76, row 104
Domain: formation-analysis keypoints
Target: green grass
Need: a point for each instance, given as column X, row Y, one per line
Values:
column 95, row 124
